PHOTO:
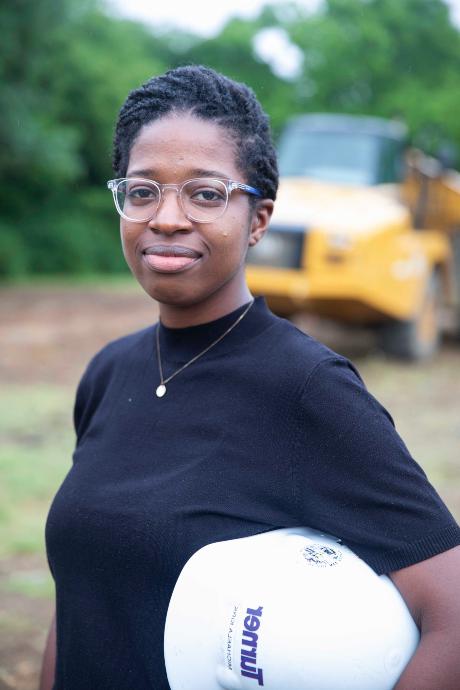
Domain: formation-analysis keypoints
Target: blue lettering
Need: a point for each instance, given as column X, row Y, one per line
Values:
column 250, row 639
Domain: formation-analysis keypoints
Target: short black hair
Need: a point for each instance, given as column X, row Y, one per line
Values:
column 208, row 95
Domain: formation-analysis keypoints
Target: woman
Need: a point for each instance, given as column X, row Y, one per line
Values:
column 222, row 420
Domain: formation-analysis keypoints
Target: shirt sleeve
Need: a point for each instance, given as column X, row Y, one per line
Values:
column 355, row 478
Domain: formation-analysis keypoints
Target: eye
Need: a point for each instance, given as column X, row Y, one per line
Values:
column 207, row 195
column 142, row 192
column 205, row 192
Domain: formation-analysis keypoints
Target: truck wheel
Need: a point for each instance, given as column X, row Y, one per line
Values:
column 420, row 337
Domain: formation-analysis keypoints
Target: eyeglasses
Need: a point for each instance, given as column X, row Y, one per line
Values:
column 203, row 200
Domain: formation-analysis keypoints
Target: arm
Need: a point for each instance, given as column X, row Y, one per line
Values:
column 388, row 513
column 49, row 659
column 431, row 590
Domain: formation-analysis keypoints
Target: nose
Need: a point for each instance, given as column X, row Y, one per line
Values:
column 170, row 217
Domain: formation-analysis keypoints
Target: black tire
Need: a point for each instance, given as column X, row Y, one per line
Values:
column 420, row 337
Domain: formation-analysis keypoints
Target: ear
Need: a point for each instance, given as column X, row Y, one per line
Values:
column 260, row 220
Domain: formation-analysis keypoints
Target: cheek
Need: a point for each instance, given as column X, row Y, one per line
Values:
column 235, row 231
column 124, row 239
column 129, row 236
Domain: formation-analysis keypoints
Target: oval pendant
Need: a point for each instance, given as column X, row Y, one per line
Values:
column 161, row 390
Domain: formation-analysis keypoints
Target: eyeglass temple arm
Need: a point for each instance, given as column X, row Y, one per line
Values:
column 245, row 188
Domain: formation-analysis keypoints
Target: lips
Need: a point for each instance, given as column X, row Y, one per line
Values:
column 170, row 258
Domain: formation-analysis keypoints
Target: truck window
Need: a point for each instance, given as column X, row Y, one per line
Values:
column 341, row 157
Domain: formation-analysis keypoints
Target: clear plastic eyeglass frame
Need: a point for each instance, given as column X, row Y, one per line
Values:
column 225, row 185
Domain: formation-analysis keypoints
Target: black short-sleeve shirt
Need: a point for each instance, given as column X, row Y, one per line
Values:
column 269, row 429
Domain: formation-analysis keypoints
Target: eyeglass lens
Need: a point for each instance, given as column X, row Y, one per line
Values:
column 203, row 199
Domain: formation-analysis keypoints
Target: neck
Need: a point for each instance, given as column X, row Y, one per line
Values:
column 214, row 307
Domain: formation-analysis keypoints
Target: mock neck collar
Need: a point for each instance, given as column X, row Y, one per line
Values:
column 180, row 344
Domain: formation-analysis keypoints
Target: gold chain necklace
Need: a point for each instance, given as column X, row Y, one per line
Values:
column 161, row 389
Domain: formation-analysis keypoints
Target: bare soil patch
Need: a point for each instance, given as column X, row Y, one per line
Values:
column 49, row 334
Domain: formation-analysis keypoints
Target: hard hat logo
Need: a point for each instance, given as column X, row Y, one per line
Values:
column 249, row 645
column 321, row 556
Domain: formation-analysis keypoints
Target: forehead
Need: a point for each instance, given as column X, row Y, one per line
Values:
column 178, row 144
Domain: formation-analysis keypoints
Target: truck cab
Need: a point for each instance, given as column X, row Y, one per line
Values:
column 344, row 241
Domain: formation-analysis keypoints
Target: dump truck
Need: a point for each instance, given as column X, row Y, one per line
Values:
column 366, row 231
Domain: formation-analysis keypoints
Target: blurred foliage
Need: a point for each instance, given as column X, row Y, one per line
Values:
column 67, row 66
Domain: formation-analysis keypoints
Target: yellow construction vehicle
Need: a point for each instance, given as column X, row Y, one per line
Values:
column 365, row 231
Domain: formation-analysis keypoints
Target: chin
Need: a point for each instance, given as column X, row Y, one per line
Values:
column 173, row 295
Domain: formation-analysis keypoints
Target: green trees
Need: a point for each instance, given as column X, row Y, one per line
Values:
column 66, row 67
column 383, row 57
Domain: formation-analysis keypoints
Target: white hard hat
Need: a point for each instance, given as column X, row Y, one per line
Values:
column 291, row 609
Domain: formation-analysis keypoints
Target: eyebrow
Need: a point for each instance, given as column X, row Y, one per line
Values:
column 196, row 172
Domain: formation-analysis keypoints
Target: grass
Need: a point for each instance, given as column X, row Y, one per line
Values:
column 35, row 454
column 35, row 584
column 424, row 403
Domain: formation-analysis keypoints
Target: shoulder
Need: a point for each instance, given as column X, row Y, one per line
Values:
column 298, row 358
column 323, row 390
column 119, row 351
column 101, row 374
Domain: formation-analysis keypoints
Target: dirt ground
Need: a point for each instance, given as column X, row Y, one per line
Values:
column 48, row 334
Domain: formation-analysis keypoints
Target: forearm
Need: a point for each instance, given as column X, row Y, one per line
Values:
column 49, row 659
column 430, row 589
column 435, row 664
